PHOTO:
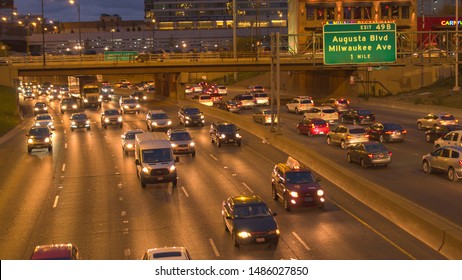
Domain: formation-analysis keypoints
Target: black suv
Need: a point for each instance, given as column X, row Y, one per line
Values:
column 223, row 132
column 39, row 137
column 40, row 108
column 358, row 116
column 296, row 185
column 191, row 116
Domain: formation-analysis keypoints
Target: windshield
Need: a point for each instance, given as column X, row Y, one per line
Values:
column 192, row 111
column 302, row 177
column 230, row 128
column 261, row 95
column 43, row 117
column 67, row 101
column 79, row 117
column 111, row 112
column 328, row 111
column 251, row 211
column 159, row 116
column 157, row 155
column 392, row 126
column 39, row 131
column 178, row 136
column 129, row 101
column 266, row 112
column 40, row 104
column 376, row 148
column 306, row 101
column 246, row 97
column 131, row 136
column 364, row 112
column 205, row 97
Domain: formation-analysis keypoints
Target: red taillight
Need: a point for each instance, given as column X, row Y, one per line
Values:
column 367, row 135
column 327, row 125
column 389, row 154
column 403, row 131
column 460, row 162
column 370, row 155
column 388, row 132
column 322, row 114
column 361, row 117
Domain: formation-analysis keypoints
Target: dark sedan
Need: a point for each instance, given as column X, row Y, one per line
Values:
column 369, row 154
column 230, row 106
column 439, row 131
column 358, row 116
column 249, row 220
column 386, row 132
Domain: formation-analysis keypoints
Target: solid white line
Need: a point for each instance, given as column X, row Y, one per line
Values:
column 65, row 145
column 215, row 250
column 301, row 241
column 56, row 201
column 213, row 157
column 185, row 192
column 64, row 167
column 247, row 187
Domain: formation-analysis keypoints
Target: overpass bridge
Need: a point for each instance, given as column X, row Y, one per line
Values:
column 172, row 72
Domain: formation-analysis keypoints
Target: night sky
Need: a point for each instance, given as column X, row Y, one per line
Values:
column 90, row 10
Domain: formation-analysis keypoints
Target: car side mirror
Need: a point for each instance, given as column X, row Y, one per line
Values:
column 177, row 159
column 275, row 214
column 137, row 162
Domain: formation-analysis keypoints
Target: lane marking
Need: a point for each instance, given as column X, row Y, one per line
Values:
column 65, row 145
column 375, row 231
column 213, row 157
column 123, row 213
column 215, row 250
column 121, row 198
column 185, row 192
column 64, row 167
column 301, row 241
column 247, row 187
column 56, row 201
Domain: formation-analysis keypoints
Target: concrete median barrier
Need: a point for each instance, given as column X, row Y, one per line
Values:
column 433, row 230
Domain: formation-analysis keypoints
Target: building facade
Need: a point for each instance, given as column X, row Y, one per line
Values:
column 307, row 17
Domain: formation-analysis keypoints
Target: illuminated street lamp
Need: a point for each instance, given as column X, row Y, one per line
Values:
column 153, row 25
column 72, row 2
column 112, row 37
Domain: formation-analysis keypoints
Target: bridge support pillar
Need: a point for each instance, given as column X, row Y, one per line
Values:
column 171, row 85
column 8, row 75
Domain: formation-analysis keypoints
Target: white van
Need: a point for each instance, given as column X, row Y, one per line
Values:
column 154, row 159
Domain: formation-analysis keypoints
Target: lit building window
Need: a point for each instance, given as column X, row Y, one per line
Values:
column 405, row 12
column 320, row 14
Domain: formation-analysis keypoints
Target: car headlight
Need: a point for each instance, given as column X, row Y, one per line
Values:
column 47, row 140
column 85, row 100
column 129, row 146
column 30, row 141
column 100, row 96
column 293, row 194
column 126, row 106
column 100, row 99
column 320, row 192
column 87, row 122
column 36, row 109
column 72, row 122
column 174, row 145
column 154, row 123
column 172, row 168
column 222, row 136
column 191, row 144
column 37, row 124
column 144, row 97
column 188, row 118
column 276, row 231
column 45, row 108
column 137, row 105
column 59, row 96
column 238, row 135
column 119, row 119
column 244, row 234
column 169, row 123
column 106, row 119
column 64, row 107
column 202, row 117
column 145, row 170
column 50, row 123
column 74, row 106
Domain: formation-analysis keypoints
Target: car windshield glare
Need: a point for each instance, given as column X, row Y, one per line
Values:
column 41, row 131
column 111, row 112
column 364, row 112
column 251, row 211
column 299, row 177
column 157, row 155
column 392, row 126
column 79, row 117
column 131, row 136
column 328, row 111
column 306, row 101
column 178, row 136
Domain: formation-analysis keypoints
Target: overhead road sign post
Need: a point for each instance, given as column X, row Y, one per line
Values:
column 120, row 56
column 359, row 43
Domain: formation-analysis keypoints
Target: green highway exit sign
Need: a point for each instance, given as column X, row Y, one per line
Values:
column 120, row 56
column 357, row 43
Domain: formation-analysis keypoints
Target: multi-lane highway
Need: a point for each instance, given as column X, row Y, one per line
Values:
column 86, row 192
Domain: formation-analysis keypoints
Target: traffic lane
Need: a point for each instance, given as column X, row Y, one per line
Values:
column 246, row 170
column 404, row 176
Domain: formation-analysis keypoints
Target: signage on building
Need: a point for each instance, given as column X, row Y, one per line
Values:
column 120, row 56
column 359, row 43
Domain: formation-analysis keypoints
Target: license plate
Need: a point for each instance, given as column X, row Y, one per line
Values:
column 260, row 239
column 160, row 178
column 398, row 133
column 113, row 122
column 307, row 199
column 321, row 132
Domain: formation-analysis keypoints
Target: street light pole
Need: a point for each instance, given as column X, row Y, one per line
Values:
column 153, row 25
column 72, row 2
column 43, row 37
column 456, row 86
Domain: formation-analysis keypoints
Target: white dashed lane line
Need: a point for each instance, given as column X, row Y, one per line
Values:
column 247, row 187
column 215, row 250
column 213, row 157
column 56, row 201
column 64, row 167
column 301, row 241
column 185, row 192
